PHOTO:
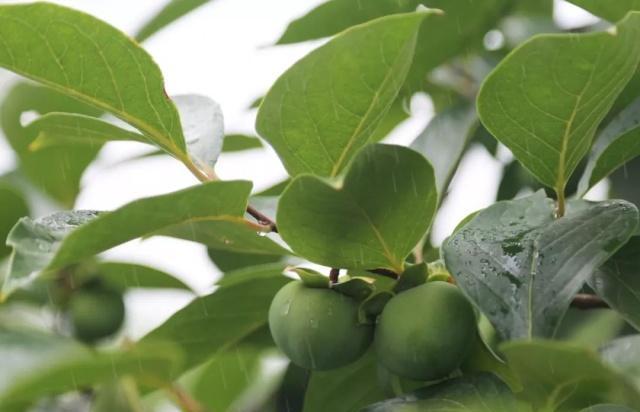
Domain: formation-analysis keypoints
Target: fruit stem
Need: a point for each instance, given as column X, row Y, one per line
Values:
column 333, row 275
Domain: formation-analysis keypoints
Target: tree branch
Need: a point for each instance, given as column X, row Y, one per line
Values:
column 333, row 275
column 262, row 218
column 587, row 301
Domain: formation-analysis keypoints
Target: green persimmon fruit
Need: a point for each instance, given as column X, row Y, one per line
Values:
column 317, row 328
column 426, row 332
column 96, row 313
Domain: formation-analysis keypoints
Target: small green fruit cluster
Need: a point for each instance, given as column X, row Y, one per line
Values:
column 95, row 312
column 423, row 333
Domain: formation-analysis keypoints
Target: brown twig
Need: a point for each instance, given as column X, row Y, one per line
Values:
column 587, row 301
column 262, row 218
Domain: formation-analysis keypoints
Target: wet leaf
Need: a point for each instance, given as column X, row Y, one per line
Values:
column 346, row 389
column 562, row 377
column 89, row 60
column 545, row 100
column 372, row 220
column 477, row 393
column 171, row 12
column 216, row 322
column 444, row 141
column 68, row 237
column 522, row 268
column 617, row 282
column 610, row 10
column 68, row 161
column 322, row 110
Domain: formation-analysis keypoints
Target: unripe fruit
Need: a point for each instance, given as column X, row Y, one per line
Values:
column 426, row 332
column 317, row 328
column 96, row 313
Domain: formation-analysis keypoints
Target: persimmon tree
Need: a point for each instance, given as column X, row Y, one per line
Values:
column 531, row 304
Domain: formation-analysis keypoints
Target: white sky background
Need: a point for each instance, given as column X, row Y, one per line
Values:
column 222, row 51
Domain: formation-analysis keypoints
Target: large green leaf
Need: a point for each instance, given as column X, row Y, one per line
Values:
column 123, row 276
column 522, row 268
column 171, row 12
column 217, row 322
column 87, row 59
column 56, row 171
column 373, row 218
column 345, row 389
column 335, row 16
column 610, row 10
column 13, row 208
column 617, row 282
column 56, row 129
column 445, row 139
column 36, row 365
column 322, row 110
column 457, row 29
column 475, row 393
column 64, row 238
column 545, row 100
column 564, row 378
column 231, row 372
column 616, row 144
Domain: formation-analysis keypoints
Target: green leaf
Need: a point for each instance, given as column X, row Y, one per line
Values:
column 444, row 141
column 37, row 364
column 617, row 282
column 56, row 129
column 334, row 16
column 171, row 12
column 610, row 10
column 441, row 36
column 89, row 60
column 13, row 208
column 561, row 377
column 608, row 407
column 522, row 268
column 476, row 393
column 227, row 376
column 240, row 142
column 68, row 161
column 373, row 219
column 64, row 238
column 397, row 114
column 548, row 112
column 616, row 144
column 346, row 389
column 322, row 110
column 623, row 354
column 414, row 275
column 123, row 276
column 214, row 323
column 311, row 278
column 227, row 260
